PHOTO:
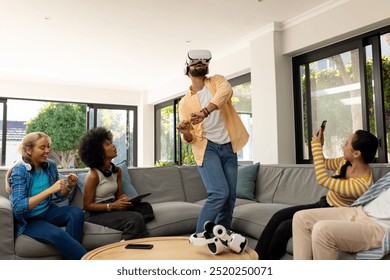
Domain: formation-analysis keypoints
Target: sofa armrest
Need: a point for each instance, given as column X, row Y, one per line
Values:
column 7, row 239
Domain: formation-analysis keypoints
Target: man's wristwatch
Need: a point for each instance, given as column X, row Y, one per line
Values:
column 108, row 207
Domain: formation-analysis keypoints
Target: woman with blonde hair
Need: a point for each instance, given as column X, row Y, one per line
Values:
column 32, row 182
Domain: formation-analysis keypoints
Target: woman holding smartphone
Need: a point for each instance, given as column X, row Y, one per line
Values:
column 352, row 177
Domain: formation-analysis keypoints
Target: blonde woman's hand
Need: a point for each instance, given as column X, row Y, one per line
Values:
column 57, row 186
column 72, row 180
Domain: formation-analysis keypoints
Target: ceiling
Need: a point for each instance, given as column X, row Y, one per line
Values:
column 126, row 44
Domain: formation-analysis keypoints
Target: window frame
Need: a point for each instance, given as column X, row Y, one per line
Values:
column 177, row 143
column 95, row 107
column 358, row 42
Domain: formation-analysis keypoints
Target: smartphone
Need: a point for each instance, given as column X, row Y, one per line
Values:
column 139, row 246
column 323, row 124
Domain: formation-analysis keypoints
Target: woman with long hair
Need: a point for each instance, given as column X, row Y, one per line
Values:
column 32, row 183
column 352, row 177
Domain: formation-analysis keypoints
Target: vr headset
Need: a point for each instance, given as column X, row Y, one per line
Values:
column 217, row 238
column 214, row 244
column 195, row 57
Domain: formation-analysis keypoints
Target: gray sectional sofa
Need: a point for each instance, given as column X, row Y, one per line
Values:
column 177, row 197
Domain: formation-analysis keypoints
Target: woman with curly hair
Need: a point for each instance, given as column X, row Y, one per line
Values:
column 104, row 201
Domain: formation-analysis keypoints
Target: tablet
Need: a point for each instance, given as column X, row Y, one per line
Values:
column 138, row 198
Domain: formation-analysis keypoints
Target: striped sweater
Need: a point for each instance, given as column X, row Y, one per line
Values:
column 342, row 192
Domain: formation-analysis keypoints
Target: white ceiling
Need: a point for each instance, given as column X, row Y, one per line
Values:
column 126, row 44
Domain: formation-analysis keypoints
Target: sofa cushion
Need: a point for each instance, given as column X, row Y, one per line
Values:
column 29, row 248
column 246, row 181
column 3, row 192
column 194, row 188
column 173, row 218
column 81, row 180
column 298, row 186
column 267, row 182
column 77, row 199
column 379, row 170
column 7, row 236
column 250, row 219
column 127, row 187
column 164, row 183
column 97, row 235
column 94, row 236
column 241, row 201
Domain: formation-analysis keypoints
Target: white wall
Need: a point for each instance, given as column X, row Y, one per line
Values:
column 272, row 99
column 331, row 24
column 145, row 133
column 31, row 90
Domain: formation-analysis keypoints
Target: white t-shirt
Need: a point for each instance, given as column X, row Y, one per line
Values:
column 214, row 128
column 379, row 209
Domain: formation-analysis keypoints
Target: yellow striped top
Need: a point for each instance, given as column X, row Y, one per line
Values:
column 342, row 192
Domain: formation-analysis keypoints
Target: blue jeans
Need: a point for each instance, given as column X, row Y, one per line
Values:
column 46, row 228
column 219, row 175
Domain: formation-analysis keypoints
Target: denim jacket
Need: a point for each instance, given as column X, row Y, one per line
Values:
column 21, row 181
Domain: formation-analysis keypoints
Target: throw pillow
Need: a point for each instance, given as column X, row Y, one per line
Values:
column 127, row 187
column 81, row 180
column 246, row 181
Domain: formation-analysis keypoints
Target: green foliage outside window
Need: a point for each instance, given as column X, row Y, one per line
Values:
column 333, row 77
column 386, row 90
column 65, row 124
column 187, row 156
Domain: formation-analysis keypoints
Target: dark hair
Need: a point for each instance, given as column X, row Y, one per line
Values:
column 367, row 144
column 91, row 149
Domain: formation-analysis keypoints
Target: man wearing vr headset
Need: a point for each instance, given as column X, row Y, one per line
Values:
column 211, row 125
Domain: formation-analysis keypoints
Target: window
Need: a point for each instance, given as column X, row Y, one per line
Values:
column 19, row 113
column 165, row 135
column 169, row 149
column 385, row 85
column 242, row 102
column 65, row 123
column 122, row 122
column 345, row 84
